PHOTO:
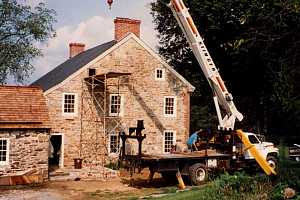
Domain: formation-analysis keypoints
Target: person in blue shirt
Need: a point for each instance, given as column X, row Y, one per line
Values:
column 193, row 139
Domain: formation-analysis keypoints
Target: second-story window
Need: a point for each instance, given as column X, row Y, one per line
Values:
column 170, row 106
column 69, row 103
column 116, row 105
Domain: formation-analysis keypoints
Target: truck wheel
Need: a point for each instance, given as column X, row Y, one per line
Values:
column 272, row 160
column 198, row 173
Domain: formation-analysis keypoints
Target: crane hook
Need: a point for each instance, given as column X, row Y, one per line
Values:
column 109, row 3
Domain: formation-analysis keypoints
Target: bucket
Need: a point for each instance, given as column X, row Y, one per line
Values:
column 78, row 163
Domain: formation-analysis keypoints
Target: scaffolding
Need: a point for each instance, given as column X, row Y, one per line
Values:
column 96, row 123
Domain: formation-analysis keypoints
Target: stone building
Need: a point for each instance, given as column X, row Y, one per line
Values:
column 24, row 131
column 101, row 91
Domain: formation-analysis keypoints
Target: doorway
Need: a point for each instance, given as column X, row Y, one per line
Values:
column 55, row 152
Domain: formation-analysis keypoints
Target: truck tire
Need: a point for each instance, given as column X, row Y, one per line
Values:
column 198, row 173
column 272, row 160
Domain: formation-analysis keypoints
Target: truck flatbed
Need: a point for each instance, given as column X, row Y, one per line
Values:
column 184, row 155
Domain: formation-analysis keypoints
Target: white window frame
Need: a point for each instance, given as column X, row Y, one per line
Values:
column 164, row 139
column 66, row 114
column 121, row 113
column 174, row 107
column 7, row 152
column 162, row 76
column 109, row 142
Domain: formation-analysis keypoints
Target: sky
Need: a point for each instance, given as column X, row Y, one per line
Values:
column 89, row 22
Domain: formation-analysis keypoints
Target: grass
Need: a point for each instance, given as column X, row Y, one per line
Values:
column 127, row 195
column 227, row 187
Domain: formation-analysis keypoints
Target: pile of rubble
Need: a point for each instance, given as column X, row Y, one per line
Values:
column 92, row 173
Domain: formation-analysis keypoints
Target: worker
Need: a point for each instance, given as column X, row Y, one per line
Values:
column 193, row 139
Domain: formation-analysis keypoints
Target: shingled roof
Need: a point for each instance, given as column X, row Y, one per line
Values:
column 64, row 70
column 23, row 107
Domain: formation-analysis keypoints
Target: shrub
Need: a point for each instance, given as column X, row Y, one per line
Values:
column 288, row 175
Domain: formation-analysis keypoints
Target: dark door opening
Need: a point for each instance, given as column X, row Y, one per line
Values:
column 54, row 152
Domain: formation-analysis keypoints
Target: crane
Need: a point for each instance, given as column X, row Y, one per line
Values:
column 227, row 113
column 222, row 98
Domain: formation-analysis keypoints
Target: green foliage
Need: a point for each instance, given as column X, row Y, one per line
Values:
column 255, row 44
column 289, row 171
column 238, row 186
column 277, row 193
column 21, row 28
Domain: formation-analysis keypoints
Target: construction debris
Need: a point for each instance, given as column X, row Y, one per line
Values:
column 94, row 173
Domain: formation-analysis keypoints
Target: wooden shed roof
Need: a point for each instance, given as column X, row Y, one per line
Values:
column 23, row 107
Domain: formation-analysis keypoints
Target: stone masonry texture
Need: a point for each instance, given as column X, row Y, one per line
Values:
column 143, row 97
column 28, row 150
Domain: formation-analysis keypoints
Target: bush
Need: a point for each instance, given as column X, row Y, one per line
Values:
column 242, row 186
column 288, row 175
column 229, row 187
column 289, row 171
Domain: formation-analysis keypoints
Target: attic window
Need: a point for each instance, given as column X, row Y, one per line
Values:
column 159, row 74
column 92, row 72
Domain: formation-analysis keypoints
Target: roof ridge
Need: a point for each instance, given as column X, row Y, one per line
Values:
column 21, row 86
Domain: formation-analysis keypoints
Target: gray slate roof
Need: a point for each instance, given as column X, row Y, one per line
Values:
column 64, row 70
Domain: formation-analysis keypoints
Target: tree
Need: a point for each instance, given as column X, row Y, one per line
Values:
column 21, row 28
column 255, row 44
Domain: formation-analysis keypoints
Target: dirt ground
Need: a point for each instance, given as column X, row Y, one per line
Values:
column 124, row 187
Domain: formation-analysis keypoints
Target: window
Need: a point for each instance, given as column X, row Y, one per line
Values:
column 116, row 105
column 4, row 148
column 170, row 106
column 69, row 103
column 92, row 72
column 253, row 139
column 114, row 143
column 169, row 140
column 159, row 74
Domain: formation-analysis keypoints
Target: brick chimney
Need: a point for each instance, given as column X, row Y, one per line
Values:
column 124, row 26
column 76, row 48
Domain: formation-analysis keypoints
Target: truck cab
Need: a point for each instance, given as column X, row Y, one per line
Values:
column 267, row 149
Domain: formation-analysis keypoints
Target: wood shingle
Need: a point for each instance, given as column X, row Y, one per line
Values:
column 23, row 107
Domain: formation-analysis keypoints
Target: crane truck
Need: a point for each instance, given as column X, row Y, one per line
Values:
column 228, row 149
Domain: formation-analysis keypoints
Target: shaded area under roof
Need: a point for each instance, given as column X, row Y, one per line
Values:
column 64, row 70
column 107, row 75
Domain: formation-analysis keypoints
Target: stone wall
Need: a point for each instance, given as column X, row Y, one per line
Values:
column 28, row 151
column 144, row 100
